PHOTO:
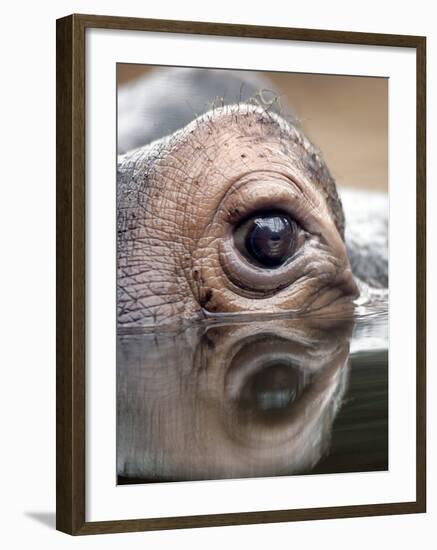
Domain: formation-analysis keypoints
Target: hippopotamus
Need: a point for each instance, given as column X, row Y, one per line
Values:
column 234, row 211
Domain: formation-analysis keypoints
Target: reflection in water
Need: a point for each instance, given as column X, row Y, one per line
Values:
column 245, row 399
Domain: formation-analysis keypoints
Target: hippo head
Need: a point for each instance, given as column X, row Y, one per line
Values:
column 235, row 213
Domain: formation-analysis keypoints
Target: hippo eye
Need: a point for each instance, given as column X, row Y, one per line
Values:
column 267, row 239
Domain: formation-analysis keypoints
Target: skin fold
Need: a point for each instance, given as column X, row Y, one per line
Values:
column 182, row 201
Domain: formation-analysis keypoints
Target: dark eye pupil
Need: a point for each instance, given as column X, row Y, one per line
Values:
column 270, row 239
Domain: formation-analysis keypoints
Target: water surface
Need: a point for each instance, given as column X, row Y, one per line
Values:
column 253, row 398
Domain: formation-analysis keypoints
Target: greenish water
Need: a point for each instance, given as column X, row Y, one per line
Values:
column 252, row 399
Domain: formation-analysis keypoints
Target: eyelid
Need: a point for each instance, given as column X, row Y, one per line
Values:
column 269, row 192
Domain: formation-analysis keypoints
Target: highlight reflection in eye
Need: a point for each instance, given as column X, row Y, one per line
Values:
column 267, row 239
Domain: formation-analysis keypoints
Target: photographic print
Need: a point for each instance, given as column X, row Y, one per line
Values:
column 252, row 274
column 240, row 274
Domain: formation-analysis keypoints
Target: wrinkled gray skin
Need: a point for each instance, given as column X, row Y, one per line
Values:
column 152, row 287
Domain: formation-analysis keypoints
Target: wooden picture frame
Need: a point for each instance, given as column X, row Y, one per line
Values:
column 71, row 254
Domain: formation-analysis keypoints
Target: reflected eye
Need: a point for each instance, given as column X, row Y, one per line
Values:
column 267, row 239
column 273, row 389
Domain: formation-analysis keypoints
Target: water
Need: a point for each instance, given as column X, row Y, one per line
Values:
column 253, row 398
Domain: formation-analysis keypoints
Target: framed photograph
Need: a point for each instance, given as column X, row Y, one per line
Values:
column 240, row 274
